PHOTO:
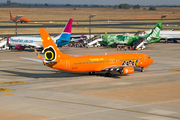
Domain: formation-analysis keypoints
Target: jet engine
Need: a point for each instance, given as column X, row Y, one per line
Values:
column 126, row 70
column 19, row 47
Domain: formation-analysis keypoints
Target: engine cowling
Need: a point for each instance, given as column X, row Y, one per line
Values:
column 18, row 47
column 126, row 70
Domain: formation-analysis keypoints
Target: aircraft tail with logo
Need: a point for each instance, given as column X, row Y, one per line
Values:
column 154, row 35
column 51, row 52
column 65, row 36
column 11, row 16
column 81, row 37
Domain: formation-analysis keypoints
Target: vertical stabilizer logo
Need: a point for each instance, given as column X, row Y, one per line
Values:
column 49, row 53
column 154, row 33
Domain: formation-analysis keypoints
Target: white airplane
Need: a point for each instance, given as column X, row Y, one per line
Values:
column 168, row 35
column 21, row 42
column 78, row 38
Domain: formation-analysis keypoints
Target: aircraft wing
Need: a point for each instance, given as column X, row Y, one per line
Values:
column 18, row 16
column 33, row 45
column 155, row 37
column 166, row 36
column 142, row 36
column 115, row 67
column 125, row 69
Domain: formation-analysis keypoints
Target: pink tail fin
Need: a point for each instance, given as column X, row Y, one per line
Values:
column 68, row 26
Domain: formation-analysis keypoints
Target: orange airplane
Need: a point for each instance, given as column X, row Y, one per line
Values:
column 122, row 63
column 18, row 18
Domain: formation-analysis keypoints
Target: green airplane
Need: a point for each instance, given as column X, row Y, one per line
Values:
column 135, row 40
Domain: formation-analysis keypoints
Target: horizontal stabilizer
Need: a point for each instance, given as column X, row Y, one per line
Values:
column 37, row 60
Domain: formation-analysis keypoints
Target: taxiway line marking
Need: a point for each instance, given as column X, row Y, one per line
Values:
column 111, row 108
column 5, row 89
column 7, row 94
column 13, row 82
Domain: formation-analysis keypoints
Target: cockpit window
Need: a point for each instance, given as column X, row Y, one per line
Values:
column 149, row 57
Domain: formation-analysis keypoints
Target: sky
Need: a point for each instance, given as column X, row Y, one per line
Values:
column 101, row 2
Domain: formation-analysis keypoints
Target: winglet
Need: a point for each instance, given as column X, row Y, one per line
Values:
column 38, row 54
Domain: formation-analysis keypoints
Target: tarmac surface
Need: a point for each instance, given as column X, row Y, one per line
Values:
column 31, row 91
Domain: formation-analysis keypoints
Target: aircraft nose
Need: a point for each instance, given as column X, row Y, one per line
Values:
column 27, row 20
column 150, row 61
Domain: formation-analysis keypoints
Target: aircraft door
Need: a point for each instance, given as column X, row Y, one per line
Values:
column 67, row 64
column 145, row 59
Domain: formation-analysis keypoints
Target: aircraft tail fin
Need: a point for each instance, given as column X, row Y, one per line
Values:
column 155, row 32
column 50, row 50
column 65, row 35
column 11, row 16
column 81, row 37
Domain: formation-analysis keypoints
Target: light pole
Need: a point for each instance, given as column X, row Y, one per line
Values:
column 163, row 16
column 16, row 29
column 92, row 15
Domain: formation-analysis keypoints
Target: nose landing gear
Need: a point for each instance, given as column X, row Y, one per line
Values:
column 142, row 69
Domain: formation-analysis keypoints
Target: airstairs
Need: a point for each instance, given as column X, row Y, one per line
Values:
column 139, row 44
column 94, row 43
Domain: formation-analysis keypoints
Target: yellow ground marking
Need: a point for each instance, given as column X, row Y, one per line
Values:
column 7, row 94
column 176, row 70
column 5, row 89
column 13, row 82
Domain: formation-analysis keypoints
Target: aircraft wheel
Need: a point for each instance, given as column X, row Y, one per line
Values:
column 142, row 70
column 121, row 72
column 91, row 73
column 22, row 47
column 108, row 75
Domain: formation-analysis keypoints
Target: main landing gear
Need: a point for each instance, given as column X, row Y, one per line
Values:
column 108, row 74
column 91, row 73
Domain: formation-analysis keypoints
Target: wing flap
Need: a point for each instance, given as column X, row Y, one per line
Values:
column 115, row 67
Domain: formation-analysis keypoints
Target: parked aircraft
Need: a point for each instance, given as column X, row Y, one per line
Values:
column 21, row 42
column 18, row 18
column 78, row 38
column 122, row 63
column 168, row 35
column 137, row 41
